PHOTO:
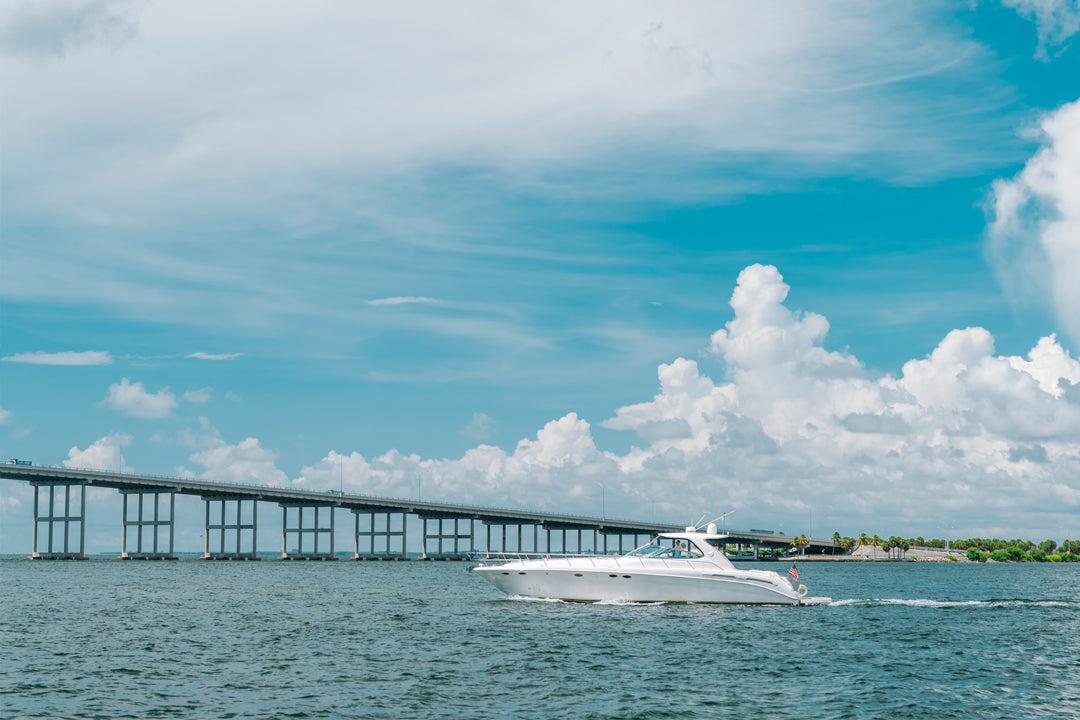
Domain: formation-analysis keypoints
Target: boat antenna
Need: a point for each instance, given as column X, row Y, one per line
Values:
column 720, row 517
column 698, row 524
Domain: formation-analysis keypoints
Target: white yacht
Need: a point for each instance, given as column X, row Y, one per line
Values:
column 674, row 567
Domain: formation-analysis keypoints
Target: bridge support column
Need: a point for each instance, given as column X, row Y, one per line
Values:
column 441, row 536
column 320, row 529
column 228, row 543
column 67, row 519
column 143, row 520
column 387, row 534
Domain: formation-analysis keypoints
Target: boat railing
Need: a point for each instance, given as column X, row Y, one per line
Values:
column 491, row 556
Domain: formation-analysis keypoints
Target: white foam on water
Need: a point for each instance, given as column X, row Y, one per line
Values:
column 530, row 598
column 928, row 603
column 817, row 601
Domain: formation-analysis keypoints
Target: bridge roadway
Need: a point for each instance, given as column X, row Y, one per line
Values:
column 52, row 477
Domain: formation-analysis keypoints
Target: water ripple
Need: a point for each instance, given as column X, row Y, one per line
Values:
column 105, row 639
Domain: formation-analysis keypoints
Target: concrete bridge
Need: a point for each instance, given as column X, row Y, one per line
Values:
column 448, row 531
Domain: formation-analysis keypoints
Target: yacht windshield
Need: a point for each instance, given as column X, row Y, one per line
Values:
column 681, row 549
column 648, row 551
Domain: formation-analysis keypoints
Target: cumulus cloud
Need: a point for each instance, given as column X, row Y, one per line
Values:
column 103, row 454
column 244, row 462
column 1034, row 236
column 209, row 356
column 5, row 415
column 133, row 399
column 88, row 357
column 1055, row 20
column 962, row 437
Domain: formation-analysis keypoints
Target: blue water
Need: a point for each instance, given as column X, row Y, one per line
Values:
column 190, row 639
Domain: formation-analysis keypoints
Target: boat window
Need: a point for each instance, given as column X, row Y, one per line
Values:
column 692, row 551
column 647, row 551
column 683, row 549
column 679, row 549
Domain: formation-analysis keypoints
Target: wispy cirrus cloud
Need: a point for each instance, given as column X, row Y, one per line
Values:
column 1055, row 20
column 198, row 397
column 602, row 104
column 406, row 300
column 87, row 357
column 210, row 356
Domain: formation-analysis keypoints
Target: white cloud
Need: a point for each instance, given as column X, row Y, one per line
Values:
column 208, row 356
column 444, row 138
column 133, row 399
column 49, row 30
column 5, row 415
column 104, row 454
column 400, row 301
column 89, row 357
column 962, row 437
column 245, row 462
column 198, row 397
column 1034, row 238
column 520, row 88
column 1051, row 365
column 1055, row 20
column 480, row 427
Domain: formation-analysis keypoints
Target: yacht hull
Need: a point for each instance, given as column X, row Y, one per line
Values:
column 624, row 580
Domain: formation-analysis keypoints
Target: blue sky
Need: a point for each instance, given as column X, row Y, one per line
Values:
column 241, row 242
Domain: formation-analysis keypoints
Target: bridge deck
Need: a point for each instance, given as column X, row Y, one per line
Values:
column 41, row 474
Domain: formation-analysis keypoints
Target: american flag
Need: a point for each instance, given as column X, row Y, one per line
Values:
column 794, row 573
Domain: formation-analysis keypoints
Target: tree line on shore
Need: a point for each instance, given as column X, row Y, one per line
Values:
column 976, row 549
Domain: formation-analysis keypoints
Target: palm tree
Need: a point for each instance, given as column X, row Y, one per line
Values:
column 864, row 540
column 838, row 541
column 875, row 541
column 893, row 544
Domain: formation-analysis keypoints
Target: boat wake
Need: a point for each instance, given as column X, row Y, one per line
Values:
column 945, row 604
column 528, row 598
column 817, row 601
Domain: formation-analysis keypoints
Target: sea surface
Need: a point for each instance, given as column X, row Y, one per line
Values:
column 191, row 639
